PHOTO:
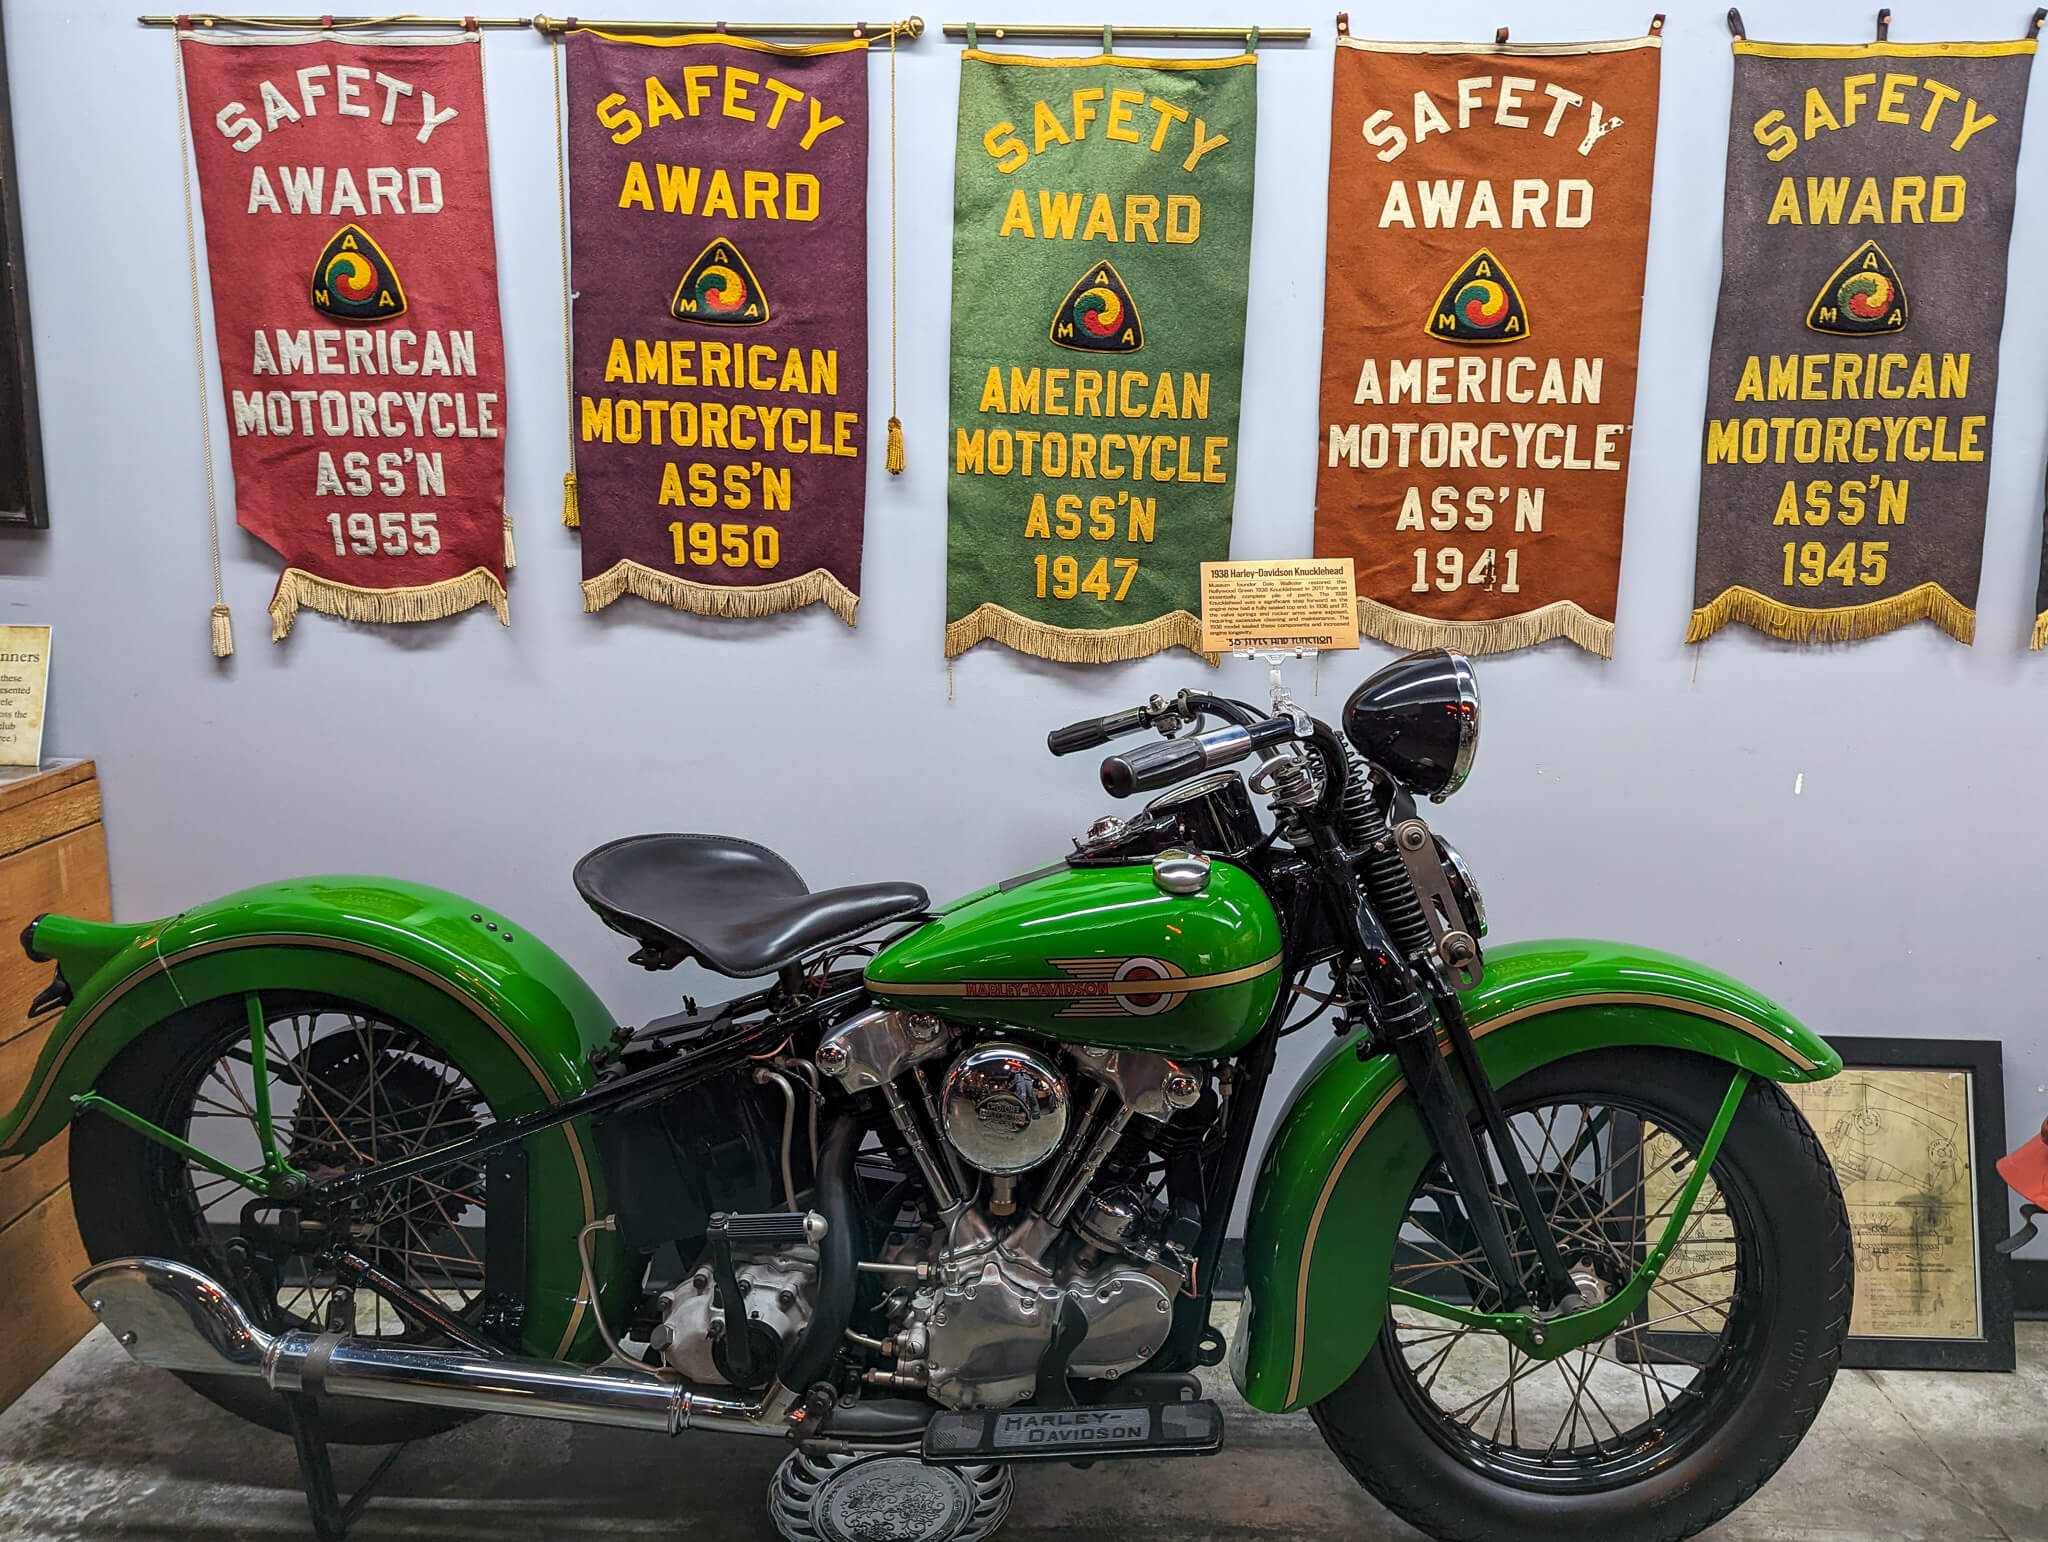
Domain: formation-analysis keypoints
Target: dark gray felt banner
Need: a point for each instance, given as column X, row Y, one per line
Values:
column 1847, row 450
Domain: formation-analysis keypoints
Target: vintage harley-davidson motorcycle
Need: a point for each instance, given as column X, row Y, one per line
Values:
column 1538, row 1242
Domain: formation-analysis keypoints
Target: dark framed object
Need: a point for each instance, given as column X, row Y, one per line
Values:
column 1914, row 1127
column 22, row 499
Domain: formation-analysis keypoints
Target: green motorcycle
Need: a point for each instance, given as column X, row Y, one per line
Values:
column 1537, row 1242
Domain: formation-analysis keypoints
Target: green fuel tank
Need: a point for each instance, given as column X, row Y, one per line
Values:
column 1101, row 956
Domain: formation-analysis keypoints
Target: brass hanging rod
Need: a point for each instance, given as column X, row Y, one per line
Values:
column 1039, row 32
column 202, row 19
column 909, row 30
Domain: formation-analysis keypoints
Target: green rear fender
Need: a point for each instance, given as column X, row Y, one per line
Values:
column 481, row 987
column 1337, row 1176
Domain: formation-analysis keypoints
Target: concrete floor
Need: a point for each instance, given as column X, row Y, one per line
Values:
column 100, row 1449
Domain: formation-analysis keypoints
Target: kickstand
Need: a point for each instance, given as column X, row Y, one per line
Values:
column 331, row 1517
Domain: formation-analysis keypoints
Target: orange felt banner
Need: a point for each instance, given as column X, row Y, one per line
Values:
column 1489, row 216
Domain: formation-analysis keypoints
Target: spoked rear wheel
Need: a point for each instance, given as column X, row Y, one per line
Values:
column 1662, row 1428
column 347, row 1087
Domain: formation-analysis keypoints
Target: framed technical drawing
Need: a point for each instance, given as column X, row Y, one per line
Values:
column 22, row 500
column 1913, row 1127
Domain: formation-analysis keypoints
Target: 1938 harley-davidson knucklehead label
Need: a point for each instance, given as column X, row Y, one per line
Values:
column 1262, row 606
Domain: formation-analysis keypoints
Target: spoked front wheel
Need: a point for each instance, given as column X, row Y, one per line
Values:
column 1661, row 1428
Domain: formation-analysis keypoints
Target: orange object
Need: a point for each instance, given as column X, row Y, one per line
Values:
column 2026, row 1170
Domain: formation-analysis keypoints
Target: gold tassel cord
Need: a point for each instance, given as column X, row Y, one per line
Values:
column 511, row 552
column 629, row 577
column 223, row 631
column 892, row 459
column 417, row 602
column 1794, row 623
column 1562, row 618
column 1073, row 644
column 572, row 516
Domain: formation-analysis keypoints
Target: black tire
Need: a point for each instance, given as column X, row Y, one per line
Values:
column 131, row 1193
column 1794, row 1270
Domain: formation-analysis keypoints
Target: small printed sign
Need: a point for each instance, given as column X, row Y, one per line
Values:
column 24, row 681
column 1260, row 607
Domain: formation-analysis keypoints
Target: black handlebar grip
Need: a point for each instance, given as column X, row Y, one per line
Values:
column 1091, row 731
column 1152, row 765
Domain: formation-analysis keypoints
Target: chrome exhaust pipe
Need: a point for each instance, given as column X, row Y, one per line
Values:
column 169, row 1315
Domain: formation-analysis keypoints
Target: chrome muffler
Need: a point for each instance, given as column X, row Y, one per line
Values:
column 171, row 1316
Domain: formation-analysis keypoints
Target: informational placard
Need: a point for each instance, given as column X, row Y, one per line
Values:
column 1265, row 607
column 24, row 683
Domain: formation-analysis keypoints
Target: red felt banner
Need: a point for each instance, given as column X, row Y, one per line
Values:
column 347, row 198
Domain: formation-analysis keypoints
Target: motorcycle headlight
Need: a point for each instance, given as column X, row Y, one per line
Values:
column 1419, row 720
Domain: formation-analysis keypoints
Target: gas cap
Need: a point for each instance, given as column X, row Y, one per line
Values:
column 1180, row 872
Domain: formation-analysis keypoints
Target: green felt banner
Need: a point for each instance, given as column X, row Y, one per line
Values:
column 1101, row 254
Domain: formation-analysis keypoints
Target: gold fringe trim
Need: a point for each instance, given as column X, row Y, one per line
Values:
column 2041, row 630
column 224, row 633
column 1560, row 618
column 571, row 515
column 417, row 602
column 629, row 577
column 1794, row 623
column 1075, row 644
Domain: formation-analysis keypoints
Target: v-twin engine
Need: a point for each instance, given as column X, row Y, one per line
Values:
column 983, row 1326
column 1038, row 1234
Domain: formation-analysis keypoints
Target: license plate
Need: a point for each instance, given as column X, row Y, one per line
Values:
column 1071, row 1427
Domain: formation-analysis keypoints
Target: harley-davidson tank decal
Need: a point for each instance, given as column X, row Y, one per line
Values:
column 1097, row 987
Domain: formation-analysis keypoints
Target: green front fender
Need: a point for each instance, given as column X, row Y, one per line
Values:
column 496, row 998
column 1347, row 1154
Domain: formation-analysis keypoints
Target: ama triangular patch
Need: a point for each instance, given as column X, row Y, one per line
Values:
column 1861, row 297
column 1479, row 305
column 720, row 290
column 1098, row 315
column 354, row 280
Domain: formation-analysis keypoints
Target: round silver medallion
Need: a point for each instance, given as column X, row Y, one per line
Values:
column 885, row 1498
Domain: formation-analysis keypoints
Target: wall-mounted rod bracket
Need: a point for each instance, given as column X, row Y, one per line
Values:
column 908, row 30
column 200, row 21
column 1036, row 32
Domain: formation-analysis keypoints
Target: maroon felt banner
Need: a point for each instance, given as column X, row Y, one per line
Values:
column 347, row 195
column 718, row 260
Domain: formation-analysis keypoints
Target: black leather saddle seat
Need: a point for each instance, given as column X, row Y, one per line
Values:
column 736, row 907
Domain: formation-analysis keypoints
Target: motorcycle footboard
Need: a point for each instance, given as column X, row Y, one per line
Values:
column 965, row 1437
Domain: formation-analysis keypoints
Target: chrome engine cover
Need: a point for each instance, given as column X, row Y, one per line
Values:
column 779, row 1291
column 1005, row 1108
column 982, row 1327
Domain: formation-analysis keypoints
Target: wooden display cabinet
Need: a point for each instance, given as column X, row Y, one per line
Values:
column 53, row 856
